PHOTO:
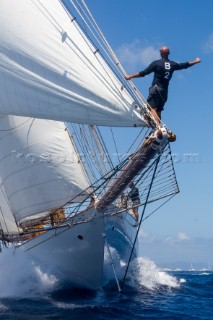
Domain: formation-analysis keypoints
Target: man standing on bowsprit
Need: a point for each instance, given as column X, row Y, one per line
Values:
column 163, row 70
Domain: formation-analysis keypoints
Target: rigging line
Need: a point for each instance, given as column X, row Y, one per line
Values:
column 85, row 150
column 161, row 188
column 145, row 173
column 14, row 128
column 91, row 152
column 112, row 53
column 108, row 177
column 87, row 168
column 119, row 210
column 162, row 191
column 29, row 129
column 160, row 178
column 168, row 171
column 82, row 12
column 97, row 145
column 146, row 135
column 159, row 207
column 97, row 31
column 84, row 153
column 116, row 149
column 91, row 149
column 101, row 35
column 138, row 229
column 136, row 138
column 170, row 153
column 165, row 190
column 150, row 166
column 103, row 144
column 121, row 78
column 77, row 153
column 157, row 199
column 163, row 179
column 158, row 190
column 92, row 46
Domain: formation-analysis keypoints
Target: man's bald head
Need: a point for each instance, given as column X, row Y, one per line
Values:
column 164, row 52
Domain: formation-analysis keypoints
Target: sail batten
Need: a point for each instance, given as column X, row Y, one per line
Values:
column 49, row 69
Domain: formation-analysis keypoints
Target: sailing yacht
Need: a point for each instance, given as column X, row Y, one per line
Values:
column 64, row 201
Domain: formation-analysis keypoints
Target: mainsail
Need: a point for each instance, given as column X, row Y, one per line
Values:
column 39, row 167
column 49, row 69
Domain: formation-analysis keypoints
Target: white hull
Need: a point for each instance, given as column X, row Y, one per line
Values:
column 76, row 254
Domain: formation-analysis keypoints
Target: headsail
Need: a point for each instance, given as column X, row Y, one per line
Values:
column 39, row 167
column 49, row 69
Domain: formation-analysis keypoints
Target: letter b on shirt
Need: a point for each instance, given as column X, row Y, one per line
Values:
column 167, row 66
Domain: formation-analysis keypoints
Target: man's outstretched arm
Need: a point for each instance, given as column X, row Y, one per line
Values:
column 185, row 65
column 148, row 70
column 197, row 60
column 130, row 76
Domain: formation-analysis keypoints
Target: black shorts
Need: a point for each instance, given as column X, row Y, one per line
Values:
column 157, row 97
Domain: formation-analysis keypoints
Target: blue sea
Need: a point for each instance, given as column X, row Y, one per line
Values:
column 148, row 293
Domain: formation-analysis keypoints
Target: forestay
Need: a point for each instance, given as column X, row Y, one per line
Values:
column 49, row 69
column 39, row 167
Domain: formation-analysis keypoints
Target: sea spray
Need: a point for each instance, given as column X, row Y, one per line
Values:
column 112, row 260
column 144, row 273
column 20, row 277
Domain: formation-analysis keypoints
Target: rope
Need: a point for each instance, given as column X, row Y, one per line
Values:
column 117, row 69
column 116, row 149
column 118, row 64
column 133, row 246
column 14, row 128
column 103, row 144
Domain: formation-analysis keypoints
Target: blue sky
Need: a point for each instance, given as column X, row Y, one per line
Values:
column 136, row 29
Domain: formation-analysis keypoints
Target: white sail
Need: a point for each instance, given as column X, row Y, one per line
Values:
column 7, row 221
column 49, row 69
column 39, row 168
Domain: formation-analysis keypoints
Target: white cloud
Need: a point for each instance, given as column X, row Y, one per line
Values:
column 181, row 236
column 208, row 47
column 178, row 248
column 134, row 54
column 177, row 239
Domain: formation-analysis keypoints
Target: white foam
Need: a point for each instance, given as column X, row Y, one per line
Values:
column 144, row 272
column 3, row 308
column 205, row 274
column 20, row 277
column 118, row 264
